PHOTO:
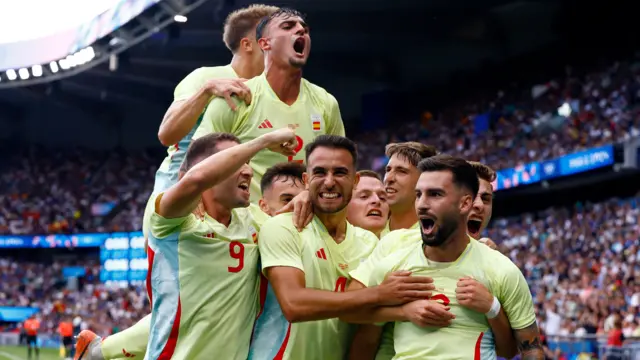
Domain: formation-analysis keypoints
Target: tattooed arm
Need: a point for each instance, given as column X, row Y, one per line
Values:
column 529, row 343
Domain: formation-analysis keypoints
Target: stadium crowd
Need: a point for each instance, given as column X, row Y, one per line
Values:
column 80, row 187
column 581, row 263
column 105, row 310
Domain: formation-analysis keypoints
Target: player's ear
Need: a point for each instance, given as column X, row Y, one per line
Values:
column 356, row 180
column 466, row 203
column 246, row 44
column 263, row 206
column 305, row 180
column 265, row 44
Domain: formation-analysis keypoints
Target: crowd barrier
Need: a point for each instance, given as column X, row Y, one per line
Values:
column 574, row 347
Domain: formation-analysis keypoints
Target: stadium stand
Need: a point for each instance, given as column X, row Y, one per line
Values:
column 580, row 259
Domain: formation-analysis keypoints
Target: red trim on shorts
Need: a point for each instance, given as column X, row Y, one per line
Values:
column 478, row 346
column 150, row 255
column 280, row 354
column 170, row 346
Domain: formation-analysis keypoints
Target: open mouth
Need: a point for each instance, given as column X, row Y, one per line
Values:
column 244, row 186
column 473, row 227
column 390, row 190
column 427, row 225
column 330, row 195
column 374, row 213
column 298, row 45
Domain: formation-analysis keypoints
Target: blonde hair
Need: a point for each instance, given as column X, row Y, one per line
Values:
column 240, row 23
column 412, row 151
column 484, row 172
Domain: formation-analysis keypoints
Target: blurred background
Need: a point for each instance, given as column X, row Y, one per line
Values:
column 546, row 92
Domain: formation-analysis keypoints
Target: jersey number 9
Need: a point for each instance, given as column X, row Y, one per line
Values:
column 236, row 250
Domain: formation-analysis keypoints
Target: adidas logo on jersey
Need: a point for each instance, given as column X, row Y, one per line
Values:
column 321, row 254
column 127, row 354
column 266, row 124
column 210, row 236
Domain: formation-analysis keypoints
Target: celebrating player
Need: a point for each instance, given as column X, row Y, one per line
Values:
column 196, row 316
column 442, row 249
column 368, row 208
column 308, row 270
column 195, row 91
column 281, row 183
column 400, row 178
column 280, row 96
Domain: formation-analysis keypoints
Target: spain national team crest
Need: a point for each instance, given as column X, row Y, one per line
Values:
column 254, row 234
column 317, row 124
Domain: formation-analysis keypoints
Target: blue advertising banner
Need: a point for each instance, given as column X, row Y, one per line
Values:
column 563, row 166
column 520, row 175
column 586, row 160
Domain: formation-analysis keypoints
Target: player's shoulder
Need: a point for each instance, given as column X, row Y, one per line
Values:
column 283, row 221
column 499, row 263
column 364, row 236
column 318, row 92
column 213, row 72
column 401, row 238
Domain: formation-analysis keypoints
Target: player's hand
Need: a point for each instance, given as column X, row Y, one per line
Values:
column 282, row 141
column 226, row 88
column 488, row 242
column 473, row 295
column 302, row 210
column 428, row 313
column 400, row 288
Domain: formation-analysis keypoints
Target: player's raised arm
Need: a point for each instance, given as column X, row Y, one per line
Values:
column 183, row 113
column 183, row 197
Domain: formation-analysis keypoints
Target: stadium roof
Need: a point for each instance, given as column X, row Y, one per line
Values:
column 408, row 41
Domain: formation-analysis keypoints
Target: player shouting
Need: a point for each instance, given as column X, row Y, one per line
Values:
column 279, row 97
column 443, row 250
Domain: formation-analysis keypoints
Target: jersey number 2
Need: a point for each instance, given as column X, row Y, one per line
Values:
column 236, row 250
column 297, row 149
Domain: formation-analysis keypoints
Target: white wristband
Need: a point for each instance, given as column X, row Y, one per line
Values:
column 495, row 309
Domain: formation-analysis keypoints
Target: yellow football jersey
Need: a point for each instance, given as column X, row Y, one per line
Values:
column 469, row 336
column 204, row 279
column 326, row 266
column 314, row 113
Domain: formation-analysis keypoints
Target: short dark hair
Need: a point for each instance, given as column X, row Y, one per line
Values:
column 464, row 175
column 204, row 147
column 332, row 142
column 412, row 151
column 240, row 23
column 284, row 12
column 286, row 170
column 484, row 172
column 369, row 173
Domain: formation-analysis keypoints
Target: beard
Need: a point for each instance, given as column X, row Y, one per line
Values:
column 448, row 226
column 297, row 63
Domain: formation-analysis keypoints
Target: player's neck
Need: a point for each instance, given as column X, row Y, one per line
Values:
column 218, row 212
column 336, row 224
column 243, row 67
column 451, row 250
column 284, row 81
column 402, row 217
